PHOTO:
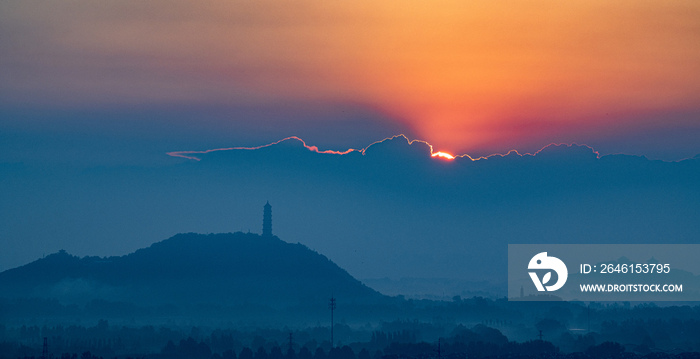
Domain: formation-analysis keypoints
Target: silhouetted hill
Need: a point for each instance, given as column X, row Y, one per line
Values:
column 190, row 269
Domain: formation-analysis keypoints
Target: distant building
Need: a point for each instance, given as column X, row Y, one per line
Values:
column 267, row 220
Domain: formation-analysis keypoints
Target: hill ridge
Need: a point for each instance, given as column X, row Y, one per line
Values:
column 191, row 268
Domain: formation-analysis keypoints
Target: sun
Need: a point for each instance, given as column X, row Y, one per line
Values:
column 444, row 155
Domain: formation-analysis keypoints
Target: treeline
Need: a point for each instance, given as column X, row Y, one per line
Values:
column 480, row 341
column 192, row 349
column 496, row 328
column 492, row 312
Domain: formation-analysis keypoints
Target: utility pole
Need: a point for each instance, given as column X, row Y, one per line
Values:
column 331, row 306
column 439, row 351
column 290, row 342
column 540, row 335
column 45, row 350
column 589, row 317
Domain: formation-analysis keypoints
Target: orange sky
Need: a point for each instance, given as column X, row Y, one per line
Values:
column 460, row 74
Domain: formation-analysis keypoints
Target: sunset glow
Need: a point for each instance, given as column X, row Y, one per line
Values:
column 470, row 77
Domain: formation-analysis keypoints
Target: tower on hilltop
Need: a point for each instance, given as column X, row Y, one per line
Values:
column 267, row 220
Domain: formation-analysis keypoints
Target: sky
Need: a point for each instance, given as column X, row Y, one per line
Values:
column 94, row 95
column 126, row 81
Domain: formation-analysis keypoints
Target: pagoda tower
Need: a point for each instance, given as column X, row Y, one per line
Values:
column 267, row 220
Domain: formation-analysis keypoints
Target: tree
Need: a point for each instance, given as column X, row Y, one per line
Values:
column 246, row 353
column 291, row 354
column 228, row 354
column 363, row 354
column 276, row 353
column 170, row 350
column 606, row 350
column 320, row 354
column 344, row 352
column 304, row 353
column 260, row 353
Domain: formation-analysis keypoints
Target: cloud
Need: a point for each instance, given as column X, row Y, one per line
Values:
column 395, row 144
column 191, row 154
